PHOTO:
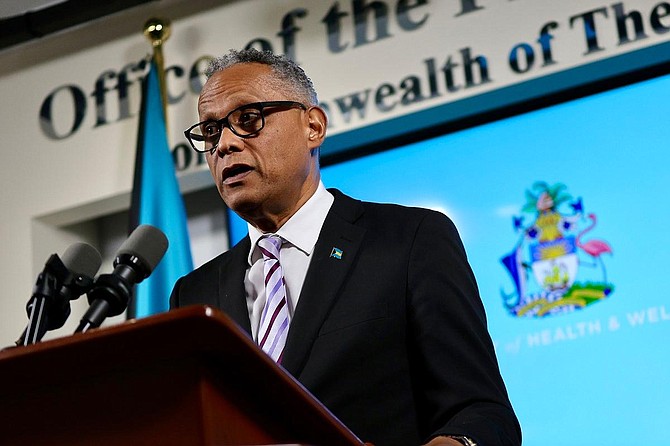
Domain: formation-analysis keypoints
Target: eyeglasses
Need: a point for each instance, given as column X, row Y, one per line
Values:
column 245, row 121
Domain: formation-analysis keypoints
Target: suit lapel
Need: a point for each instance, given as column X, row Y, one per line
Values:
column 334, row 254
column 232, row 295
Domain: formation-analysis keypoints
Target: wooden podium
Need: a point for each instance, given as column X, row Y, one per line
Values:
column 186, row 377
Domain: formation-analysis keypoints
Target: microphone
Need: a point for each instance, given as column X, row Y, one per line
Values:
column 61, row 281
column 83, row 262
column 135, row 260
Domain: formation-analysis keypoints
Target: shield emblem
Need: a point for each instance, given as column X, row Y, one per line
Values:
column 555, row 263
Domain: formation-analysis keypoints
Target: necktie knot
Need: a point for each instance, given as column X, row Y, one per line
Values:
column 270, row 246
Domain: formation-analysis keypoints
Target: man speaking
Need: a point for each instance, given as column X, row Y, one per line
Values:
column 372, row 307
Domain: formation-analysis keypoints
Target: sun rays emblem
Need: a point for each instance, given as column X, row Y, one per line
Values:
column 555, row 266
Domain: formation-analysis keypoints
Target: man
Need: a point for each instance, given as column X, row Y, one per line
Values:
column 378, row 313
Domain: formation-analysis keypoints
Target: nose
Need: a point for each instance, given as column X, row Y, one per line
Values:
column 228, row 142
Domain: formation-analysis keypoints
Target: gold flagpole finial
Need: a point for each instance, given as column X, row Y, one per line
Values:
column 158, row 31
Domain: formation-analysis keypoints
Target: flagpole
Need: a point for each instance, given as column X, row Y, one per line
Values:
column 156, row 199
column 158, row 31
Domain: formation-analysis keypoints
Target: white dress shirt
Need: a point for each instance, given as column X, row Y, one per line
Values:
column 300, row 234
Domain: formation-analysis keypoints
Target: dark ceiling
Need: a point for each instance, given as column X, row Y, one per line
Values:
column 25, row 25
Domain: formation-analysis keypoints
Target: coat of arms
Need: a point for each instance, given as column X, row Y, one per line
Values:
column 556, row 266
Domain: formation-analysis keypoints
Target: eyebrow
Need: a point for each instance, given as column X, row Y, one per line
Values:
column 209, row 116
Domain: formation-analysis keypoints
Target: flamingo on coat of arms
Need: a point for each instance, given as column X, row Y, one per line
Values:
column 594, row 248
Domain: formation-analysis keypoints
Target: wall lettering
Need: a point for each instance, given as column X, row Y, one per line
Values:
column 348, row 26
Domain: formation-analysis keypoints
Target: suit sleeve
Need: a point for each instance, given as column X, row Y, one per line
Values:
column 455, row 373
column 174, row 296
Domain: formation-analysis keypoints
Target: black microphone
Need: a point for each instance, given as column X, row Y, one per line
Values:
column 135, row 260
column 83, row 262
column 61, row 281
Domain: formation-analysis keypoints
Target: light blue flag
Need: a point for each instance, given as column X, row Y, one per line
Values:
column 157, row 201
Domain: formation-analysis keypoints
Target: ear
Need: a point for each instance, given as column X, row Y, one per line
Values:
column 317, row 125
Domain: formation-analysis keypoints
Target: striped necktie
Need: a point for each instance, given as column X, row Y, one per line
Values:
column 275, row 318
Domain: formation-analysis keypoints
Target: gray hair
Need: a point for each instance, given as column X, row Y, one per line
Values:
column 287, row 71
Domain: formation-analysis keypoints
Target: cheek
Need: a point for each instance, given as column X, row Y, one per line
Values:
column 282, row 154
column 211, row 163
column 287, row 162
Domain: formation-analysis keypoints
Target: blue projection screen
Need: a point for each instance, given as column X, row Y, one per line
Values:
column 564, row 215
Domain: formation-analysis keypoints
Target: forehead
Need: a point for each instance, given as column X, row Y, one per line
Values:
column 235, row 86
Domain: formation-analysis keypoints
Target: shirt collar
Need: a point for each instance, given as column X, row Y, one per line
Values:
column 303, row 228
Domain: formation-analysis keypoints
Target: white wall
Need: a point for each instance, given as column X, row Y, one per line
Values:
column 55, row 192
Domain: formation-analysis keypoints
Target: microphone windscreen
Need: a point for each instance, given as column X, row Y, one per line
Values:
column 148, row 243
column 82, row 259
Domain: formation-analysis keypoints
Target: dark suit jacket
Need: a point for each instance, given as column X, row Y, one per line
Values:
column 392, row 337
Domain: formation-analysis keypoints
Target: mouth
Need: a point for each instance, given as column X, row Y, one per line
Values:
column 235, row 173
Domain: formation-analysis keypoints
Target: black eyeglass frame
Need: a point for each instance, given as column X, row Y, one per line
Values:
column 223, row 122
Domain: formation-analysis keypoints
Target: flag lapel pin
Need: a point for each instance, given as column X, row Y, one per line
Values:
column 336, row 253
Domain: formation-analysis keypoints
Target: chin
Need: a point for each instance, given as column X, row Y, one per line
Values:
column 241, row 204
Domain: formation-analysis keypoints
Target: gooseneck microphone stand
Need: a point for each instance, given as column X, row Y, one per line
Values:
column 44, row 300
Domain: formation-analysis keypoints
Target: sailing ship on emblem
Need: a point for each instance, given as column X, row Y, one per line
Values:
column 553, row 268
